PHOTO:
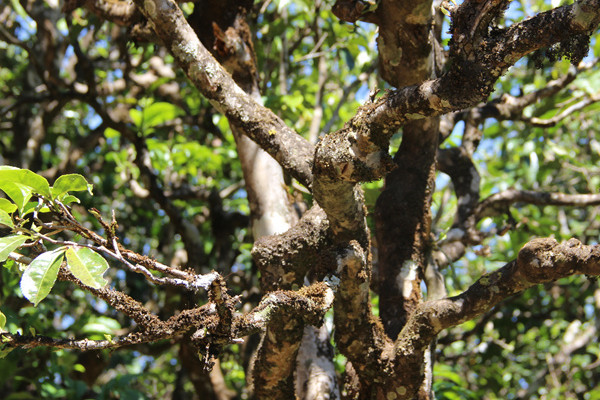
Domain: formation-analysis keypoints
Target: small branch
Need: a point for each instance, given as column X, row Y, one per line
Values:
column 120, row 302
column 189, row 282
column 30, row 342
column 544, row 123
column 346, row 92
column 459, row 237
column 135, row 262
column 497, row 203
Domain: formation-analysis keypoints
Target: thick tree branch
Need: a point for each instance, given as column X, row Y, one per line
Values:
column 475, row 66
column 358, row 333
column 292, row 151
column 403, row 222
column 509, row 107
column 457, row 164
column 539, row 261
column 308, row 305
column 286, row 258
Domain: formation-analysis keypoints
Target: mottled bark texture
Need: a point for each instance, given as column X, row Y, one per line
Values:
column 403, row 223
column 284, row 260
column 408, row 50
column 224, row 30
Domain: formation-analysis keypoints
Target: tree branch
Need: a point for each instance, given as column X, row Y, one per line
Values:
column 286, row 258
column 497, row 203
column 544, row 123
column 539, row 261
column 476, row 65
column 293, row 152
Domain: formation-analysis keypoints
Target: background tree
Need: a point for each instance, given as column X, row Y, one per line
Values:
column 258, row 169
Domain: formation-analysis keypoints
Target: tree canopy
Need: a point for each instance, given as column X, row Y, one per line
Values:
column 357, row 199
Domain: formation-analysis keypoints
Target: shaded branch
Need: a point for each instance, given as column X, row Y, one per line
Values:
column 460, row 236
column 308, row 305
column 123, row 13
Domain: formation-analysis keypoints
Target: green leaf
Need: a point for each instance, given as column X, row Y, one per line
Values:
column 153, row 115
column 2, row 320
column 5, row 219
column 4, row 352
column 159, row 113
column 39, row 277
column 110, row 133
column 70, row 183
column 8, row 206
column 9, row 244
column 101, row 325
column 20, row 194
column 136, row 117
column 38, row 184
column 68, row 199
column 87, row 266
column 29, row 208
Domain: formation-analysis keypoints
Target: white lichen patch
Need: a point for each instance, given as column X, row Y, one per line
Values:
column 435, row 322
column 406, row 277
column 164, row 6
column 328, row 299
column 352, row 258
column 426, row 90
column 332, row 281
column 186, row 51
column 373, row 160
